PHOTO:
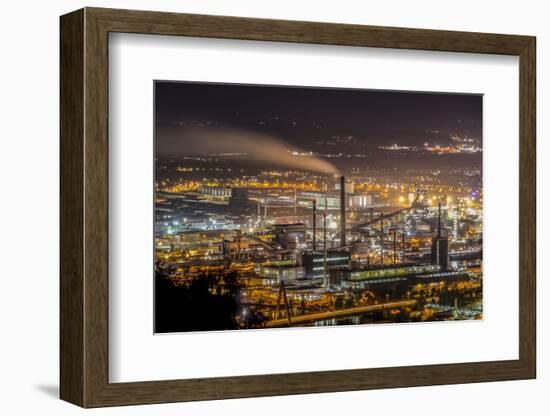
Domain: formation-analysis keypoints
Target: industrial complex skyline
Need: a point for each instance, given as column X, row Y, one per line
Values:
column 292, row 206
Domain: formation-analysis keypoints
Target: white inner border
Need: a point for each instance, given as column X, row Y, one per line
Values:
column 135, row 354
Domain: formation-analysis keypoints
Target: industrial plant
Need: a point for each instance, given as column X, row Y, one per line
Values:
column 335, row 232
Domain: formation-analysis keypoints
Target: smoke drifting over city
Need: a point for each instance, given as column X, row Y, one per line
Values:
column 254, row 147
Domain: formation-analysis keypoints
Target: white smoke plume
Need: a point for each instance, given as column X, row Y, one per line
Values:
column 259, row 148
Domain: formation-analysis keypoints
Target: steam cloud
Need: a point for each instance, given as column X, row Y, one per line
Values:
column 259, row 148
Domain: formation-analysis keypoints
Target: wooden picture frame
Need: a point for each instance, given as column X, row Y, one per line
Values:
column 84, row 207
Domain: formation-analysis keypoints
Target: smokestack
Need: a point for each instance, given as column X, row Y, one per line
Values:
column 381, row 238
column 342, row 211
column 368, row 248
column 394, row 245
column 403, row 246
column 265, row 205
column 439, row 220
column 314, row 202
column 325, row 238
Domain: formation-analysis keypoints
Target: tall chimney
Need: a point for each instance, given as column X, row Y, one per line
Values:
column 265, row 205
column 368, row 248
column 403, row 246
column 326, row 283
column 439, row 220
column 342, row 211
column 394, row 245
column 314, row 202
column 381, row 238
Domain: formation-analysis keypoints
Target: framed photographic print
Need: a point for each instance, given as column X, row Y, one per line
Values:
column 260, row 207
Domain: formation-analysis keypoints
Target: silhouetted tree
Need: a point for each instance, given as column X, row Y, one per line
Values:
column 204, row 303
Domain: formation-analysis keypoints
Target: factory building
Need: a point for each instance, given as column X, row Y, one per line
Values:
column 313, row 261
column 440, row 252
column 305, row 198
column 216, row 193
column 290, row 235
column 237, row 197
column 349, row 187
column 352, row 201
column 386, row 272
column 359, row 201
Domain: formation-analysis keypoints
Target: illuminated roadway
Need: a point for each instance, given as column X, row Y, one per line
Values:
column 318, row 316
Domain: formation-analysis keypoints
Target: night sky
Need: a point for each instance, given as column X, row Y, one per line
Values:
column 303, row 116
